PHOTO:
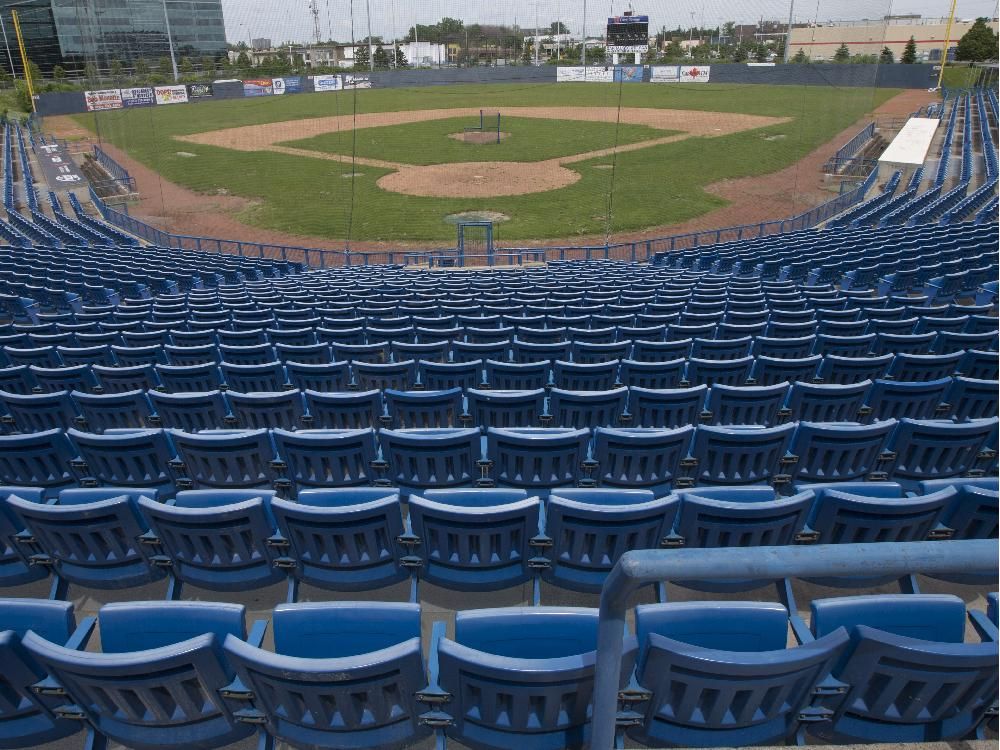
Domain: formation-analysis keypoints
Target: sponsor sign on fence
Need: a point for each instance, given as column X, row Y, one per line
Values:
column 327, row 83
column 570, row 74
column 258, row 87
column 288, row 85
column 629, row 73
column 665, row 74
column 695, row 73
column 171, row 94
column 357, row 82
column 138, row 97
column 103, row 99
column 200, row 90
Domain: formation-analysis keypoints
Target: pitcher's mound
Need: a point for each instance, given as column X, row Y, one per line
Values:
column 479, row 179
column 480, row 136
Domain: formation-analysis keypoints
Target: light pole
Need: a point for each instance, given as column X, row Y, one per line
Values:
column 371, row 54
column 788, row 34
column 170, row 42
column 583, row 45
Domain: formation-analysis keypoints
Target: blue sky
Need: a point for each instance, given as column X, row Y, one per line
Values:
column 291, row 20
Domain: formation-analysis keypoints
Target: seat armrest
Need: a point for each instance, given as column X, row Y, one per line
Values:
column 78, row 640
column 256, row 636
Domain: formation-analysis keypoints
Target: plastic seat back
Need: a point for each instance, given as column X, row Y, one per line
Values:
column 324, row 458
column 39, row 459
column 846, row 370
column 249, row 354
column 655, row 375
column 810, row 402
column 733, row 372
column 924, row 367
column 770, row 371
column 747, row 405
column 224, row 460
column 721, row 348
column 399, row 376
column 972, row 399
column 825, row 452
column 427, row 458
column 539, row 459
column 263, row 410
column 305, row 352
column 641, row 457
column 511, row 376
column 851, row 515
column 441, row 376
column 38, row 412
column 333, row 376
column 133, row 458
column 739, row 517
column 114, row 411
column 505, row 408
column 16, row 380
column 190, row 412
column 267, row 377
column 15, row 567
column 589, row 353
column 189, row 378
column 74, row 378
column 660, row 351
column 734, row 455
column 933, row 449
column 666, row 408
column 124, row 379
column 600, row 376
column 587, row 408
column 423, row 409
column 888, row 399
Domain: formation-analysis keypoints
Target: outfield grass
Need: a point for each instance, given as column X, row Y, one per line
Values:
column 655, row 186
column 530, row 139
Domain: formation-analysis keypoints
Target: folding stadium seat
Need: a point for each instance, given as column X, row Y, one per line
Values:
column 16, row 380
column 145, row 338
column 139, row 459
column 789, row 348
column 189, row 378
column 307, row 354
column 739, row 455
column 122, row 379
column 532, row 335
column 343, row 411
column 40, row 459
column 666, row 408
column 779, row 686
column 373, row 353
column 842, row 328
column 888, row 399
column 240, row 337
column 585, row 408
column 511, row 376
column 972, row 513
column 448, row 529
column 24, row 720
column 639, row 457
column 600, row 376
column 179, row 665
column 890, row 343
column 652, row 374
column 327, row 657
column 324, row 458
column 37, row 412
column 113, row 411
column 422, row 459
column 399, row 376
column 845, row 346
column 812, row 402
column 435, row 351
column 935, row 449
column 684, row 332
column 190, row 412
column 924, row 367
column 254, row 378
column 946, row 342
column 660, row 351
column 505, row 663
column 42, row 356
column 972, row 399
column 110, row 338
column 136, row 356
column 344, row 336
column 523, row 352
column 901, row 643
column 493, row 337
column 537, row 459
column 846, row 370
column 505, row 408
column 879, row 323
column 591, row 353
column 734, row 372
column 334, row 376
column 89, row 537
column 926, row 323
column 770, row 371
column 263, row 410
column 252, row 354
column 440, row 376
column 977, row 364
column 982, row 323
column 723, row 349
column 423, row 409
column 778, row 329
column 75, row 378
column 86, row 355
column 224, row 459
column 828, row 452
column 192, row 355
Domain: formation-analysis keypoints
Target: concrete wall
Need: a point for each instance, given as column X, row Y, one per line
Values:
column 821, row 42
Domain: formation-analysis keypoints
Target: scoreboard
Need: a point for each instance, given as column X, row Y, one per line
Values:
column 628, row 34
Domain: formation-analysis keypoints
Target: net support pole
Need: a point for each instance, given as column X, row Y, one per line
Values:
column 24, row 59
column 947, row 42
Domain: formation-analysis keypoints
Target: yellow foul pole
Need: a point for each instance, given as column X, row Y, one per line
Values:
column 947, row 42
column 24, row 59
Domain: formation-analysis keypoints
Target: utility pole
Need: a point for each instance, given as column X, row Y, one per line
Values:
column 788, row 35
column 536, row 33
column 371, row 53
column 583, row 44
column 170, row 42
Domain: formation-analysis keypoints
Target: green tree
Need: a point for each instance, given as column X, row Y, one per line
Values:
column 401, row 61
column 557, row 27
column 59, row 73
column 674, row 51
column 362, row 57
column 243, row 61
column 186, row 66
column 117, row 71
column 800, row 57
column 760, row 54
column 652, row 56
column 5, row 78
column 527, row 54
column 164, row 68
column 208, row 65
column 21, row 96
column 978, row 43
column 141, row 68
column 843, row 54
column 886, row 57
column 909, row 52
column 90, row 72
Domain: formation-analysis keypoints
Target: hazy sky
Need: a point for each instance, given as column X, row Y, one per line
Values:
column 291, row 20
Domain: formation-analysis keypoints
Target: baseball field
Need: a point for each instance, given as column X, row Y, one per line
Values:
column 392, row 165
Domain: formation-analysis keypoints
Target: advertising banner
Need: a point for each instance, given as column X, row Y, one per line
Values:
column 200, row 90
column 103, row 99
column 665, row 74
column 171, row 94
column 288, row 85
column 138, row 97
column 570, row 74
column 258, row 87
column 629, row 73
column 357, row 82
column 327, row 83
column 695, row 73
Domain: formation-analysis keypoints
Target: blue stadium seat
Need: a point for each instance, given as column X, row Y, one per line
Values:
column 924, row 367
column 250, row 354
column 421, row 459
column 710, row 372
column 653, row 374
column 333, row 376
column 810, row 402
column 253, row 411
column 16, row 380
column 190, row 412
column 440, row 376
column 845, row 346
column 183, row 356
column 87, row 355
column 41, row 356
column 505, row 408
column 224, row 459
column 114, row 411
column 376, row 352
column 124, row 379
column 891, row 343
column 935, row 449
column 304, row 353
column 840, row 452
column 721, row 348
column 475, row 540
column 505, row 667
column 423, row 409
column 669, row 408
column 721, row 674
column 948, row 342
column 343, row 411
column 432, row 351
column 972, row 399
column 89, row 537
column 24, row 721
column 746, row 405
column 345, row 539
column 660, row 351
column 218, row 540
column 586, row 408
column 522, row 351
column 342, row 674
column 888, row 399
column 399, row 376
column 267, row 377
column 52, row 379
column 498, row 351
column 537, row 459
column 770, row 371
column 189, row 378
column 511, row 376
column 740, row 455
column 139, row 459
column 323, row 458
column 160, row 669
column 978, row 364
column 901, row 644
column 37, row 412
column 589, row 353
column 847, row 370
column 39, row 459
column 572, row 376
column 641, row 456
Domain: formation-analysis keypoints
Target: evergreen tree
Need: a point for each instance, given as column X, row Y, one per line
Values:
column 59, row 73
column 760, row 54
column 186, row 66
column 526, row 54
column 141, row 68
column 381, row 58
column 90, row 72
column 401, row 61
column 886, row 57
column 362, row 56
column 843, row 54
column 909, row 52
column 800, row 57
column 208, row 65
column 117, row 70
column 978, row 43
column 243, row 61
column 164, row 67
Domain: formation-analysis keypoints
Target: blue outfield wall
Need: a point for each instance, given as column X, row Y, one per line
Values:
column 865, row 76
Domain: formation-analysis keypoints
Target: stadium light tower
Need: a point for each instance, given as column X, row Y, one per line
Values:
column 170, row 42
column 788, row 32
